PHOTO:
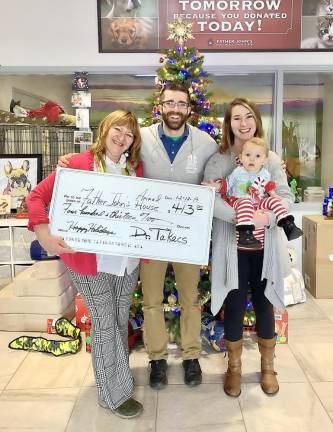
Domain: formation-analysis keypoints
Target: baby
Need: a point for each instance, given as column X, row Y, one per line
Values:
column 248, row 188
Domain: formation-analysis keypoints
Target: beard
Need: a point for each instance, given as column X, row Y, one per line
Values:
column 172, row 123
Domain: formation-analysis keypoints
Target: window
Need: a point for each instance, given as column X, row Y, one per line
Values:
column 307, row 114
column 258, row 87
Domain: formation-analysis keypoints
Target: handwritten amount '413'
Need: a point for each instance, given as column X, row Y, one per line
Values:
column 187, row 209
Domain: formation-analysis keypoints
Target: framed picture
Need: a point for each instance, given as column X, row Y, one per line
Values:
column 81, row 100
column 127, row 26
column 19, row 174
column 80, row 82
column 82, row 118
column 83, row 139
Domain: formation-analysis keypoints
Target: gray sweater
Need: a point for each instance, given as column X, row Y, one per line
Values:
column 276, row 265
column 189, row 163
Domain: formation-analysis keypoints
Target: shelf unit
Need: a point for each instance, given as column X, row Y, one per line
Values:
column 15, row 242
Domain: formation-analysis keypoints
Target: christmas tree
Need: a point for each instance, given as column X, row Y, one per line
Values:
column 185, row 65
column 171, row 304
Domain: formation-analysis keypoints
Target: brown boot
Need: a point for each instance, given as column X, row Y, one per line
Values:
column 232, row 378
column 269, row 383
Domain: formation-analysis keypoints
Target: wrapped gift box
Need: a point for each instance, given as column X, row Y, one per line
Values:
column 81, row 313
column 281, row 326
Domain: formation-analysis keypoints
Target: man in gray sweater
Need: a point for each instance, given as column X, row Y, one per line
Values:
column 175, row 151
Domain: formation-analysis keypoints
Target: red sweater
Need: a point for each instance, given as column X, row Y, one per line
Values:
column 39, row 199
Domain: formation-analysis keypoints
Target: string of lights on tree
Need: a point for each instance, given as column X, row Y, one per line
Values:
column 185, row 65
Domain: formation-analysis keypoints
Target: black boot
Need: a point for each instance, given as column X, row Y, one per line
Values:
column 158, row 374
column 193, row 374
column 291, row 230
column 246, row 238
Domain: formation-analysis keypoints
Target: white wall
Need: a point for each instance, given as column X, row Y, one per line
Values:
column 62, row 35
column 54, row 87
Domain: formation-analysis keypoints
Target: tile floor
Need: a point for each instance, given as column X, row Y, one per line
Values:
column 42, row 393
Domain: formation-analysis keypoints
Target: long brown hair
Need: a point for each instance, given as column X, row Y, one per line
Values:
column 227, row 134
column 119, row 118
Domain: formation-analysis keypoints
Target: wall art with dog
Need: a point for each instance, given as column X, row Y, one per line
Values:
column 128, row 25
column 19, row 174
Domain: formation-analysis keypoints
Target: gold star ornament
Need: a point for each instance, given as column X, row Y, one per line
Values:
column 180, row 30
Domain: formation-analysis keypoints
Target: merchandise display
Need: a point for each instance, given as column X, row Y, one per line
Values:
column 314, row 193
column 328, row 204
column 15, row 242
column 36, row 295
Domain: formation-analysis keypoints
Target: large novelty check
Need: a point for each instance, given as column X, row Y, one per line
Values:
column 130, row 216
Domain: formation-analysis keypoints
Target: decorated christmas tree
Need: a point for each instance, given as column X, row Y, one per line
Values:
column 171, row 304
column 185, row 65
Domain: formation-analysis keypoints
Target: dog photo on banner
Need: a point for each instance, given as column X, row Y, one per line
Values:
column 128, row 25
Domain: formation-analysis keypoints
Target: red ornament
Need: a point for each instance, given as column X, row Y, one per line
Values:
column 155, row 111
column 207, row 105
column 162, row 59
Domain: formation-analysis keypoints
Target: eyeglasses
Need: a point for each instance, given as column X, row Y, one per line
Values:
column 128, row 135
column 172, row 104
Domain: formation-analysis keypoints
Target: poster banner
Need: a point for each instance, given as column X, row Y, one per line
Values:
column 130, row 216
column 237, row 25
column 217, row 25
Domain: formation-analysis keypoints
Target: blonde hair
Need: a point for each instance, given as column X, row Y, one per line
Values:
column 119, row 118
column 259, row 142
column 227, row 134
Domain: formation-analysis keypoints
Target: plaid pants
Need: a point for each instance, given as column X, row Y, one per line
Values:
column 108, row 299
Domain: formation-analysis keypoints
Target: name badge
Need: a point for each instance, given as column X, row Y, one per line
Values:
column 191, row 164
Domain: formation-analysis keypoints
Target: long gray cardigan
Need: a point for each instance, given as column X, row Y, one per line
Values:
column 276, row 265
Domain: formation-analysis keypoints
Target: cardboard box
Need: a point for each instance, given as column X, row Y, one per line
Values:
column 281, row 326
column 81, row 313
column 317, row 254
